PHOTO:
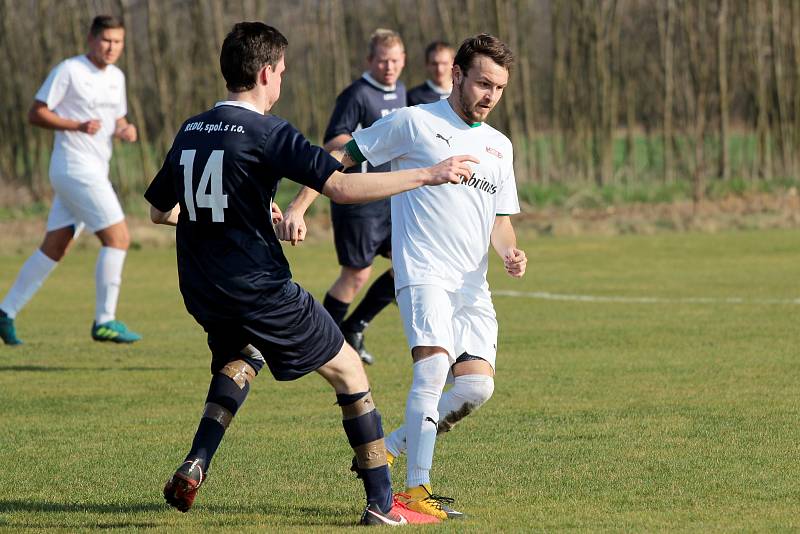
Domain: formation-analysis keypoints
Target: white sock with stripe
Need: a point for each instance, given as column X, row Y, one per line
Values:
column 422, row 416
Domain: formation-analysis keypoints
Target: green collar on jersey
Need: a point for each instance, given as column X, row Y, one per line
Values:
column 475, row 124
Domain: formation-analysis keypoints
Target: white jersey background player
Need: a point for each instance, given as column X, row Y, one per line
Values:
column 83, row 99
column 440, row 242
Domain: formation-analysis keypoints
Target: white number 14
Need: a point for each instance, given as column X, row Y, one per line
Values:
column 211, row 173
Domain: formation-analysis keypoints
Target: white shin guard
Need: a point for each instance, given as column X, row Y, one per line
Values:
column 469, row 392
column 422, row 417
column 33, row 273
column 108, row 278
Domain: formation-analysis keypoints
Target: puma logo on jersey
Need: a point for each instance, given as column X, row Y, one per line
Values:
column 443, row 138
column 494, row 152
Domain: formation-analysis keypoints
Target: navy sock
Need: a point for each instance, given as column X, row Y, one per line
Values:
column 379, row 295
column 224, row 392
column 335, row 307
column 364, row 429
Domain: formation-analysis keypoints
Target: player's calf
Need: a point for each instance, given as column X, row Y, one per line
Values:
column 364, row 429
column 226, row 394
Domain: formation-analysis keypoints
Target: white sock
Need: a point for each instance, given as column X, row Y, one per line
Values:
column 468, row 393
column 33, row 273
column 107, row 278
column 422, row 417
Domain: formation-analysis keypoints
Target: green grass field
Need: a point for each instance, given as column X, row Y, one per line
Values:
column 672, row 415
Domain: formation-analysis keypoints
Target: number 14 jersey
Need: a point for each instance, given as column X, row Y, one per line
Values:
column 223, row 169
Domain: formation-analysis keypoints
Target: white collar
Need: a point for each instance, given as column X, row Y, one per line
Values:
column 238, row 104
column 375, row 83
column 437, row 89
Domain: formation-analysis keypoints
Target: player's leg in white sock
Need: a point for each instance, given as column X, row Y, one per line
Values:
column 108, row 278
column 421, row 418
column 469, row 392
column 33, row 273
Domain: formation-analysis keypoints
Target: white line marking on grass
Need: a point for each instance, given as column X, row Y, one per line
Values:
column 544, row 295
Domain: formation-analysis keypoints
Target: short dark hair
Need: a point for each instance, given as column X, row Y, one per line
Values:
column 105, row 22
column 248, row 47
column 483, row 44
column 435, row 47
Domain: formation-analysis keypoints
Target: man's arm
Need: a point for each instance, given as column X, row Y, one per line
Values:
column 363, row 187
column 125, row 130
column 337, row 142
column 169, row 218
column 293, row 226
column 504, row 242
column 39, row 115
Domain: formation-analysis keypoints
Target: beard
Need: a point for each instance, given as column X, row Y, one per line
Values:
column 470, row 110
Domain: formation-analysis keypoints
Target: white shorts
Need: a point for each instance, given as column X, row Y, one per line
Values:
column 460, row 322
column 83, row 200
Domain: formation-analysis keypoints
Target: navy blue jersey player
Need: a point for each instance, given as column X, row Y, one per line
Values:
column 439, row 64
column 217, row 185
column 362, row 231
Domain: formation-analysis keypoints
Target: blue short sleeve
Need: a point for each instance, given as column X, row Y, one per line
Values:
column 291, row 155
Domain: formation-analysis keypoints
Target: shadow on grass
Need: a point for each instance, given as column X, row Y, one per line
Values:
column 48, row 369
column 212, row 515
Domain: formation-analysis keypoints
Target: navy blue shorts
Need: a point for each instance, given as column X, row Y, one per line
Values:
column 359, row 239
column 295, row 335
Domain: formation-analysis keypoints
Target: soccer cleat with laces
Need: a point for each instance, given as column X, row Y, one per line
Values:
column 115, row 331
column 356, row 340
column 420, row 499
column 373, row 516
column 414, row 518
column 181, row 489
column 7, row 331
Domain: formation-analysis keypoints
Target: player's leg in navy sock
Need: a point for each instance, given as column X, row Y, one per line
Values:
column 335, row 307
column 362, row 424
column 379, row 295
column 226, row 394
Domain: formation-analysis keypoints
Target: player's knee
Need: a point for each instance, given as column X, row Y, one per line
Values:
column 470, row 393
column 476, row 389
column 430, row 373
column 357, row 278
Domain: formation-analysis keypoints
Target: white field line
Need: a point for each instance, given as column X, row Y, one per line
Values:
column 543, row 295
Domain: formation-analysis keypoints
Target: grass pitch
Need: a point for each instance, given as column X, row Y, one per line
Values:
column 672, row 415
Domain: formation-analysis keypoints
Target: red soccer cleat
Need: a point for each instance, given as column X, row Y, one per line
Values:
column 181, row 489
column 413, row 518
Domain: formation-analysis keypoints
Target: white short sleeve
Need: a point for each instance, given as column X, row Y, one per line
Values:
column 388, row 138
column 55, row 87
column 123, row 100
column 507, row 201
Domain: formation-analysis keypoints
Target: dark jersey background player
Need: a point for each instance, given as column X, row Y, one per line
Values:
column 363, row 231
column 439, row 65
column 217, row 185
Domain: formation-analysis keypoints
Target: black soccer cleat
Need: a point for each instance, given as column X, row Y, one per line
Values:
column 356, row 340
column 181, row 489
column 373, row 517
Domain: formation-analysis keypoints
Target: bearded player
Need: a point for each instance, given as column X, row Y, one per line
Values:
column 440, row 239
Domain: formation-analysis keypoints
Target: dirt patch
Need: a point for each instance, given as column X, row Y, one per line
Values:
column 750, row 211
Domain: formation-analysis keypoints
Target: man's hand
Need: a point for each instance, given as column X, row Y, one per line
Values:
column 277, row 216
column 452, row 170
column 127, row 133
column 90, row 127
column 515, row 262
column 292, row 228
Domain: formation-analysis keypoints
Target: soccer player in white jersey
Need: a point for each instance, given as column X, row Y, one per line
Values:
column 83, row 100
column 440, row 238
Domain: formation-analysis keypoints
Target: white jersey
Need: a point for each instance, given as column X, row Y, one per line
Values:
column 440, row 234
column 76, row 89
